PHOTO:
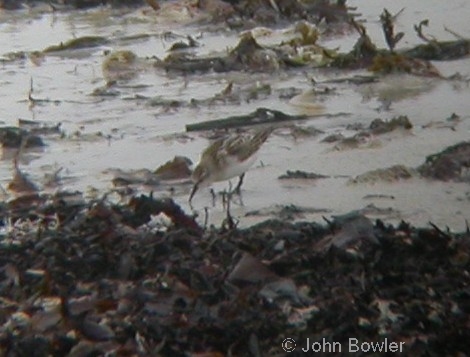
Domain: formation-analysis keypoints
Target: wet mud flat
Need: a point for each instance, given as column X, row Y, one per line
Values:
column 82, row 278
column 93, row 265
column 358, row 98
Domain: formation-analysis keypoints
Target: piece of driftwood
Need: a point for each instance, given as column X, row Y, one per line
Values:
column 259, row 116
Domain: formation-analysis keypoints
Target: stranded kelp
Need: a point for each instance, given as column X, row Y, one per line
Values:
column 14, row 137
column 451, row 164
column 434, row 50
column 303, row 50
column 247, row 55
column 250, row 56
column 368, row 137
column 259, row 116
column 273, row 11
column 77, row 43
column 174, row 170
column 92, row 278
column 75, row 4
column 365, row 53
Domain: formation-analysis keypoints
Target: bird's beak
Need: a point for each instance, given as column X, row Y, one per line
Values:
column 193, row 191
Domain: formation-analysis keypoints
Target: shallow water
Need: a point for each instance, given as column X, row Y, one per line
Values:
column 125, row 132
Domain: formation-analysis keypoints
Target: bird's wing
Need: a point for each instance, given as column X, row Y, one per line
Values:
column 213, row 149
column 244, row 147
column 239, row 146
column 215, row 154
column 232, row 144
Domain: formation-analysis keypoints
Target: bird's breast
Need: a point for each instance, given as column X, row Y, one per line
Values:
column 232, row 167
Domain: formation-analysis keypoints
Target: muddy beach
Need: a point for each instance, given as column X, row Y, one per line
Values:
column 352, row 222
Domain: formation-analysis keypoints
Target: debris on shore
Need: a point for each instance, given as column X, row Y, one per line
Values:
column 92, row 278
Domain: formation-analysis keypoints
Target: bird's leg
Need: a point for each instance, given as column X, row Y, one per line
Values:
column 239, row 185
column 229, row 197
column 213, row 197
column 224, row 198
column 229, row 219
column 193, row 191
column 206, row 217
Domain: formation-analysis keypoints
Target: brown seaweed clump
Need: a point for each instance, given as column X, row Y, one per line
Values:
column 84, row 278
column 76, row 4
column 453, row 163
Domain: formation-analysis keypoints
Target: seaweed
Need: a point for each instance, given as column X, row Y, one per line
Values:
column 87, row 278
